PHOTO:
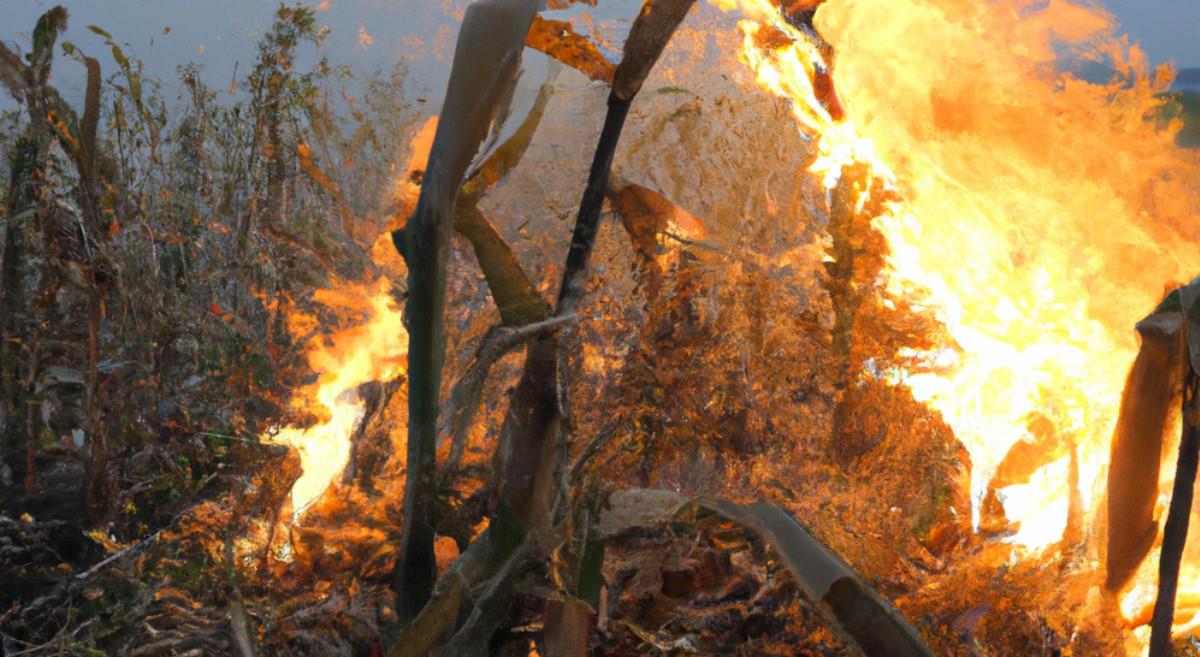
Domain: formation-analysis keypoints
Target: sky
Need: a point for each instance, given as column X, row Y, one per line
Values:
column 367, row 35
column 1169, row 30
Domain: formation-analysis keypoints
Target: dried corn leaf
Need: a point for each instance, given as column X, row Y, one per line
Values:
column 559, row 40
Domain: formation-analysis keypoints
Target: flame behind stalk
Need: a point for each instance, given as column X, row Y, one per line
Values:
column 372, row 351
column 1040, row 216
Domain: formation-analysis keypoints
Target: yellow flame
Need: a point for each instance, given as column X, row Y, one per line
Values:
column 372, row 351
column 1037, row 215
column 375, row 350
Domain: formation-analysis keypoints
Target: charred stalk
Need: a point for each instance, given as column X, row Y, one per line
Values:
column 1176, row 528
column 485, row 62
column 465, row 397
column 22, row 201
column 526, row 459
column 526, row 455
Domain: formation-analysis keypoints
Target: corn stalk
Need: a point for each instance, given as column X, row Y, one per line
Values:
column 1181, row 307
column 526, row 458
column 486, row 59
column 54, row 120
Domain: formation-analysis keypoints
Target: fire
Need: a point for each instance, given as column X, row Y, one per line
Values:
column 1036, row 216
column 372, row 351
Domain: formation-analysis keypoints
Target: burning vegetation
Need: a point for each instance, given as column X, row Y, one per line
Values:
column 863, row 329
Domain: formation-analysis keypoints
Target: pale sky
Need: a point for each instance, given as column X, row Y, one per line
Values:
column 1168, row 29
column 372, row 34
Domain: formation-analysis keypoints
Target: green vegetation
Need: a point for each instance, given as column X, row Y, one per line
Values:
column 1189, row 113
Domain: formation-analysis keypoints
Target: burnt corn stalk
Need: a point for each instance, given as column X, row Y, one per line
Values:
column 525, row 457
column 1176, row 528
column 22, row 200
column 485, row 61
column 647, row 39
column 588, row 220
column 465, row 396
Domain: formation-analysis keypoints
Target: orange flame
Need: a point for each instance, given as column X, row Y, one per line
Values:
column 1036, row 216
column 372, row 351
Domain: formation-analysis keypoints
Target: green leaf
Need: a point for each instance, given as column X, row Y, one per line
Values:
column 591, row 578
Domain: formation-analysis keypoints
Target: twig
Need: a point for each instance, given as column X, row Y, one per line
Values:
column 595, row 447
column 210, row 434
column 119, row 554
column 130, row 549
column 466, row 395
column 58, row 637
column 241, row 636
column 1176, row 528
column 705, row 245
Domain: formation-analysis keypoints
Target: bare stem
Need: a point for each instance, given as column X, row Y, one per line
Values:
column 1176, row 529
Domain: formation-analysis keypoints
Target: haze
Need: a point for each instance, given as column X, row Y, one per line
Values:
column 372, row 34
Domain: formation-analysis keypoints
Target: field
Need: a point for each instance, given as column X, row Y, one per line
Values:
column 1189, row 107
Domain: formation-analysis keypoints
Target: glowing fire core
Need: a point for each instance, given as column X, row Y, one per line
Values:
column 372, row 351
column 1027, row 209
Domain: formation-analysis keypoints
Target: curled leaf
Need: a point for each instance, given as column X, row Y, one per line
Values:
column 558, row 40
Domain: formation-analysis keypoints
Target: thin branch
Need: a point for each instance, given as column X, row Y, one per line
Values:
column 466, row 395
column 706, row 246
column 595, row 447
